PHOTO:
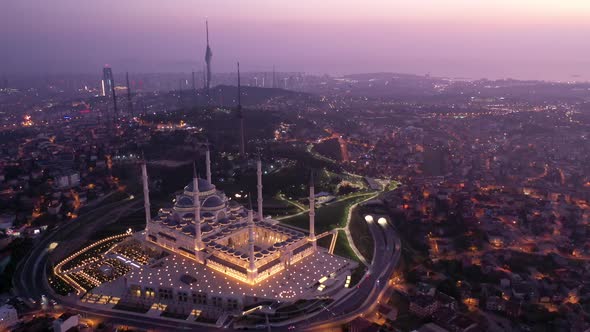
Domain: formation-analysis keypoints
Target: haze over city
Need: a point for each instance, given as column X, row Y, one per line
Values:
column 526, row 39
column 317, row 166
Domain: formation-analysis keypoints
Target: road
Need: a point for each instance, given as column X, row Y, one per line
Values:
column 370, row 290
column 347, row 229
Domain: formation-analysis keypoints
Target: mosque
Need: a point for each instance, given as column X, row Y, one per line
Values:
column 225, row 255
column 226, row 236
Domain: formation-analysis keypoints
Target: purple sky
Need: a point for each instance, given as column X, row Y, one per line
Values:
column 538, row 39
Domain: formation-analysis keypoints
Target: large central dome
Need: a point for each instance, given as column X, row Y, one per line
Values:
column 204, row 186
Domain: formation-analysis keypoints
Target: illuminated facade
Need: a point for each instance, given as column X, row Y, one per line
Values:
column 226, row 236
column 107, row 83
column 211, row 252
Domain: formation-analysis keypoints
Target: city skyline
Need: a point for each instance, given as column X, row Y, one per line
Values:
column 390, row 165
column 528, row 40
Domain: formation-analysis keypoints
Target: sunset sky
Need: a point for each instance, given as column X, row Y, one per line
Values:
column 537, row 39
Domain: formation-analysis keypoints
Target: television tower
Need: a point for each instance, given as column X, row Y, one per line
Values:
column 204, row 78
column 241, row 117
column 208, row 56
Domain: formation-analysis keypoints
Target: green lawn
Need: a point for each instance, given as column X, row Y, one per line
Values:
column 361, row 235
column 277, row 207
column 329, row 216
column 343, row 249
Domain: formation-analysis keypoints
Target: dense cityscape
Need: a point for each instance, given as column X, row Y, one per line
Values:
column 287, row 201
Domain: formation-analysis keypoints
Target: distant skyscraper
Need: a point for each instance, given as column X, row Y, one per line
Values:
column 107, row 84
column 114, row 95
column 129, row 101
column 274, row 77
column 208, row 57
column 108, row 89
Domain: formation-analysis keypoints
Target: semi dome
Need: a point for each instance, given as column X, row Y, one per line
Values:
column 212, row 202
column 203, row 186
column 184, row 201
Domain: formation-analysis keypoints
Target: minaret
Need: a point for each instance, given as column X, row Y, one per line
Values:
column 208, row 164
column 197, row 206
column 146, row 196
column 241, row 117
column 259, row 187
column 130, row 105
column 312, row 211
column 252, row 270
column 208, row 57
